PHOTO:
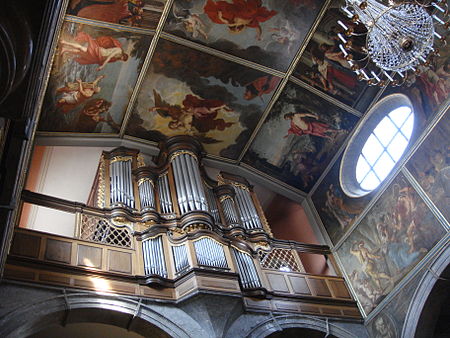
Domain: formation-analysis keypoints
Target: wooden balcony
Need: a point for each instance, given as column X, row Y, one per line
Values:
column 157, row 263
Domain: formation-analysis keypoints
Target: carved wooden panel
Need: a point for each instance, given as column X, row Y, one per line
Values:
column 89, row 256
column 12, row 273
column 331, row 311
column 339, row 289
column 277, row 282
column 319, row 287
column 299, row 285
column 58, row 251
column 309, row 308
column 286, row 306
column 26, row 245
column 54, row 279
column 119, row 261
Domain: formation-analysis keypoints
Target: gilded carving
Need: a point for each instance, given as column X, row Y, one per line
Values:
column 182, row 152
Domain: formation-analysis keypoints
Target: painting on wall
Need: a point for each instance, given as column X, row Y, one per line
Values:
column 389, row 322
column 299, row 137
column 135, row 13
column 93, row 75
column 428, row 89
column 323, row 65
column 430, row 165
column 337, row 210
column 268, row 32
column 188, row 92
column 388, row 242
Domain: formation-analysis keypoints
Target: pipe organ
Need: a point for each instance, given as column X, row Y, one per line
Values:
column 178, row 215
column 168, row 231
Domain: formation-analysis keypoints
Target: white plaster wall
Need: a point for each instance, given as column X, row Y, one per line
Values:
column 64, row 172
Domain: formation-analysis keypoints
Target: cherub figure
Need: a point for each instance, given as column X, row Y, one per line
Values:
column 239, row 14
column 194, row 112
column 74, row 93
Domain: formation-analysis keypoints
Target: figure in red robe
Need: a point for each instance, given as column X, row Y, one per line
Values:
column 239, row 14
column 301, row 124
column 260, row 86
column 100, row 51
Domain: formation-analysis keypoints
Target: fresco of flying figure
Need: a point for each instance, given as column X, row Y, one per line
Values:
column 265, row 31
column 92, row 78
column 135, row 13
column 189, row 92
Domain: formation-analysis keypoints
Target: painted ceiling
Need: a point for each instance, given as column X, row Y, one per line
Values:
column 261, row 83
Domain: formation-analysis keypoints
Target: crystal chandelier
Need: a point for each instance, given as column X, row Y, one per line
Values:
column 399, row 38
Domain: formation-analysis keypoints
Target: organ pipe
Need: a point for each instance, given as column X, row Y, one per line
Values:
column 154, row 263
column 188, row 183
column 210, row 253
column 247, row 270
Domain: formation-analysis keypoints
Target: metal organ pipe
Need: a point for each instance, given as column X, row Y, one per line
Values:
column 229, row 210
column 247, row 270
column 249, row 214
column 210, row 253
column 121, row 184
column 189, row 186
column 164, row 194
column 154, row 263
column 213, row 208
column 179, row 186
column 146, row 193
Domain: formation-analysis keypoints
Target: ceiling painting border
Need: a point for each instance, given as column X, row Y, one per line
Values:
column 284, row 81
column 144, row 69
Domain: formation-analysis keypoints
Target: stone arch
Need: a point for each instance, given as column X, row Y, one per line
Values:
column 423, row 290
column 128, row 313
column 271, row 324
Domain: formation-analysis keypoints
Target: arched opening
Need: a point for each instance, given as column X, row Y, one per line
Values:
column 428, row 314
column 76, row 330
column 85, row 322
column 52, row 312
column 435, row 315
column 299, row 332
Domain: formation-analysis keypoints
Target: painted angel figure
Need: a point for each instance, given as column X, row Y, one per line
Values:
column 75, row 93
column 239, row 14
column 194, row 112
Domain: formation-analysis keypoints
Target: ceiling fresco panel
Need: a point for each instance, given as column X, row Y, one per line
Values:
column 186, row 91
column 299, row 137
column 430, row 166
column 324, row 66
column 93, row 75
column 337, row 210
column 428, row 89
column 268, row 32
column 135, row 13
column 389, row 241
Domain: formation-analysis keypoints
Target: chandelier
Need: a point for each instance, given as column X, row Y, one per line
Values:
column 399, row 39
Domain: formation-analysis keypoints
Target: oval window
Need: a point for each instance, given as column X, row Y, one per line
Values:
column 377, row 145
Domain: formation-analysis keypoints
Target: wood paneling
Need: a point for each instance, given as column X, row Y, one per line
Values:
column 299, row 285
column 26, row 245
column 277, row 282
column 339, row 289
column 119, row 261
column 89, row 256
column 319, row 287
column 58, row 251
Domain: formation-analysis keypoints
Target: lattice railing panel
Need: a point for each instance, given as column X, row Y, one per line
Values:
column 280, row 259
column 98, row 229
